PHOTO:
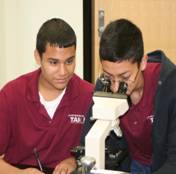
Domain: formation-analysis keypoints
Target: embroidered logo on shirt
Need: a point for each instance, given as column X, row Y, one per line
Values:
column 76, row 119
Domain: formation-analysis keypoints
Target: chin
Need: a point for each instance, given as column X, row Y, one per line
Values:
column 61, row 88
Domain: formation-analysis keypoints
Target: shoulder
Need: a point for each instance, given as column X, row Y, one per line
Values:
column 20, row 83
column 167, row 88
column 80, row 91
column 83, row 85
column 171, row 79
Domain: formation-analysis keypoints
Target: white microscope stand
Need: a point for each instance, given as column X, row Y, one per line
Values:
column 107, row 108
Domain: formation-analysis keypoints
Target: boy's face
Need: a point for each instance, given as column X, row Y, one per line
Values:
column 57, row 66
column 124, row 71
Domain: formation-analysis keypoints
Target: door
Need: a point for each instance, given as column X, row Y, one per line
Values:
column 155, row 18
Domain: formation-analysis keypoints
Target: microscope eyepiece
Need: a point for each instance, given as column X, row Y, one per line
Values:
column 122, row 88
column 106, row 85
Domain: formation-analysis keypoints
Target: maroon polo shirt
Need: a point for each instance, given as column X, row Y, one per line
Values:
column 137, row 122
column 25, row 124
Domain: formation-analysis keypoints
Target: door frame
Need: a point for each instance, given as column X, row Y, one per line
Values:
column 87, row 40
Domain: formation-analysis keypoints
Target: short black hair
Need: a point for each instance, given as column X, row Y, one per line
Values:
column 56, row 32
column 121, row 40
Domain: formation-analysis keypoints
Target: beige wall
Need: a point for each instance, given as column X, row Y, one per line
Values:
column 2, row 61
column 155, row 18
column 21, row 20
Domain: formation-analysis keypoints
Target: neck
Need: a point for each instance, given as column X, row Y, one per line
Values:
column 48, row 92
column 136, row 95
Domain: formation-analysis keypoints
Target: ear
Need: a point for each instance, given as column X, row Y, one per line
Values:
column 37, row 57
column 143, row 63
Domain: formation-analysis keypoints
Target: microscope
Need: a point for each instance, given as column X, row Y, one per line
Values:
column 107, row 109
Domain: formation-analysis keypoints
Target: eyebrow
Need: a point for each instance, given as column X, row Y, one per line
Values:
column 119, row 74
column 72, row 57
column 52, row 58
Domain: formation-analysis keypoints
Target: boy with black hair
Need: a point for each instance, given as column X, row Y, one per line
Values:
column 42, row 112
column 149, row 126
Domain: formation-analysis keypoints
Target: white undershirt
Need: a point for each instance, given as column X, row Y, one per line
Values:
column 51, row 106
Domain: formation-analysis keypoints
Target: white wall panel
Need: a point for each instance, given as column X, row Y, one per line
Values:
column 21, row 20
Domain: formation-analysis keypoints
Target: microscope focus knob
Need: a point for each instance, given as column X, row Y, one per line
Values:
column 87, row 163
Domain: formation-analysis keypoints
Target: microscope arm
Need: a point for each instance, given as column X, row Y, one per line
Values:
column 95, row 141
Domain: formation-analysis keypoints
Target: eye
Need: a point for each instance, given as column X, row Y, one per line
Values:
column 53, row 62
column 125, row 78
column 69, row 61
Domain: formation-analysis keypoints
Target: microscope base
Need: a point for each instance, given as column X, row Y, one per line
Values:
column 101, row 171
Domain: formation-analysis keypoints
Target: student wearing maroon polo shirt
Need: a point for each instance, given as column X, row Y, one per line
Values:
column 149, row 126
column 44, row 110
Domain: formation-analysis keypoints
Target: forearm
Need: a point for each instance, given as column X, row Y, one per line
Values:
column 7, row 168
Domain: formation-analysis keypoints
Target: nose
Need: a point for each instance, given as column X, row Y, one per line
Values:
column 114, row 86
column 62, row 69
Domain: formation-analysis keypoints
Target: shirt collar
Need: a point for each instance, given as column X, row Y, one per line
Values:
column 32, row 86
